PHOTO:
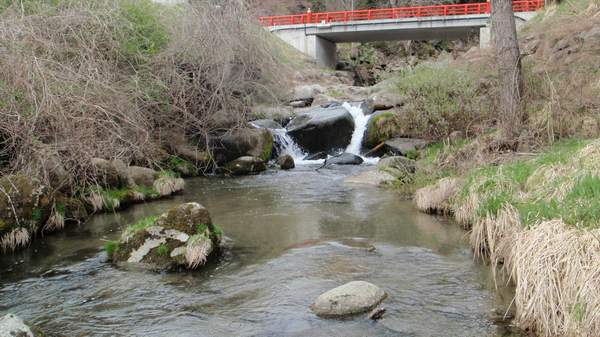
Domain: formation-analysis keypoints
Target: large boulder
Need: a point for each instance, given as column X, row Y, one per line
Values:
column 322, row 129
column 13, row 326
column 109, row 173
column 385, row 101
column 286, row 162
column 243, row 142
column 403, row 146
column 345, row 159
column 280, row 114
column 142, row 176
column 245, row 165
column 351, row 298
column 381, row 126
column 182, row 238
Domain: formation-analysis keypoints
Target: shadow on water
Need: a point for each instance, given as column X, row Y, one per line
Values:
column 294, row 235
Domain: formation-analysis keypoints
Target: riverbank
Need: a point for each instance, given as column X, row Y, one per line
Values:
column 530, row 204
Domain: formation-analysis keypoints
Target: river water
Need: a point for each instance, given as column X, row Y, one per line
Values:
column 293, row 235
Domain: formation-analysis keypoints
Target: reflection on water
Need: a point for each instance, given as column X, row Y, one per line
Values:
column 294, row 235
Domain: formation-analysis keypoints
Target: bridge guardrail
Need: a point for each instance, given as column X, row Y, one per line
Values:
column 395, row 13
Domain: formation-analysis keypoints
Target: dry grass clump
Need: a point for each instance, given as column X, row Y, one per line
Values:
column 167, row 185
column 197, row 250
column 557, row 272
column 17, row 238
column 106, row 78
column 437, row 198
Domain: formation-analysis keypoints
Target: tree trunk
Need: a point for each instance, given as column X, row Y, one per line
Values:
column 508, row 60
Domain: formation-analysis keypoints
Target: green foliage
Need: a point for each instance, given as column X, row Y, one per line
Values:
column 148, row 192
column 111, row 247
column 412, row 154
column 141, row 225
column 218, row 231
column 439, row 100
column 143, row 34
column 201, row 228
column 163, row 250
column 37, row 215
column 61, row 208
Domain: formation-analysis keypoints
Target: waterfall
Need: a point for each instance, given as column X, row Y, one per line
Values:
column 286, row 145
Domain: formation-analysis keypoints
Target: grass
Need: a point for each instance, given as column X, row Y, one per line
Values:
column 140, row 225
column 163, row 250
column 111, row 247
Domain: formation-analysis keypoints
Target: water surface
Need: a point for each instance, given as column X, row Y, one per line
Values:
column 294, row 235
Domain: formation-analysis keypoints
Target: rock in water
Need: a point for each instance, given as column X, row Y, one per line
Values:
column 243, row 142
column 13, row 326
column 345, row 159
column 316, row 156
column 286, row 162
column 322, row 129
column 184, row 237
column 245, row 165
column 352, row 298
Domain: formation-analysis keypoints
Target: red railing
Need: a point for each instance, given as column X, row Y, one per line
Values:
column 395, row 13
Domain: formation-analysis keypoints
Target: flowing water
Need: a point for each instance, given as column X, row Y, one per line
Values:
column 293, row 235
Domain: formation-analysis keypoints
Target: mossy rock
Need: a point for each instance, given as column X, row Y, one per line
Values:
column 382, row 126
column 182, row 238
column 24, row 203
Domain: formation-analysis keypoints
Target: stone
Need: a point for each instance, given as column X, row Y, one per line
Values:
column 13, row 326
column 280, row 114
column 345, row 159
column 243, row 142
column 142, row 176
column 266, row 124
column 245, row 165
column 322, row 129
column 286, row 162
column 372, row 177
column 349, row 299
column 378, row 128
column 301, row 103
column 182, row 238
column 402, row 146
column 109, row 173
column 397, row 163
column 385, row 101
column 304, row 92
column 316, row 156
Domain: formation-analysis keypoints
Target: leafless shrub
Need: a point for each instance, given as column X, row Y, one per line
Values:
column 74, row 83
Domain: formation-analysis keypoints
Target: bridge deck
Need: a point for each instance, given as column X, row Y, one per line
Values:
column 395, row 13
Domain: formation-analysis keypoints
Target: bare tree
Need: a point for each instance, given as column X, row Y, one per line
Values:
column 504, row 38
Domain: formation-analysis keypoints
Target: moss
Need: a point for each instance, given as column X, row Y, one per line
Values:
column 218, row 231
column 381, row 127
column 267, row 151
column 201, row 228
column 163, row 250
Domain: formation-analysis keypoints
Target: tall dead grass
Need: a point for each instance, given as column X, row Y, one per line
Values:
column 82, row 79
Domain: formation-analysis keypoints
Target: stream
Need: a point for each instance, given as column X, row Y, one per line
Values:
column 292, row 235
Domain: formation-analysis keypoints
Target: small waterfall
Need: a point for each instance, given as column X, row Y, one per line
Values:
column 361, row 121
column 286, row 145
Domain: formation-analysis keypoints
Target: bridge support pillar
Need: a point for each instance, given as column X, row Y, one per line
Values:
column 485, row 37
column 325, row 52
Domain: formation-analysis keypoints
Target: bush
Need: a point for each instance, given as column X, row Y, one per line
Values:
column 439, row 101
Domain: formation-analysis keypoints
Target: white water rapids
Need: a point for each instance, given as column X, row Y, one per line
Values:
column 288, row 146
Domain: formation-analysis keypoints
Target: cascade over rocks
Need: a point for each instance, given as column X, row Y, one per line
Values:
column 243, row 142
column 322, row 129
column 350, row 299
column 182, row 238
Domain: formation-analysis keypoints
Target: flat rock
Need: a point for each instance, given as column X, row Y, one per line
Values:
column 402, row 146
column 373, row 177
column 345, row 159
column 13, row 326
column 352, row 298
column 266, row 124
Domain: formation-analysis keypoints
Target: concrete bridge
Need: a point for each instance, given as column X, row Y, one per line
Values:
column 316, row 34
